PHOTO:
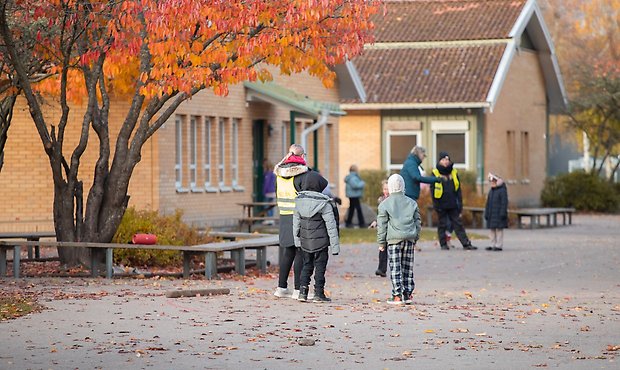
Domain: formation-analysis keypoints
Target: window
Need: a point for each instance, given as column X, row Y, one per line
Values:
column 193, row 152
column 222, row 155
column 234, row 164
column 398, row 147
column 525, row 156
column 452, row 137
column 511, row 146
column 178, row 148
column 207, row 147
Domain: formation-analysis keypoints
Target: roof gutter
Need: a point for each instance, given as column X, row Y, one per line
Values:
column 393, row 106
column 500, row 74
column 320, row 123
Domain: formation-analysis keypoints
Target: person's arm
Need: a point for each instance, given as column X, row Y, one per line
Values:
column 459, row 197
column 357, row 183
column 417, row 176
column 504, row 203
column 417, row 220
column 382, row 220
column 332, row 228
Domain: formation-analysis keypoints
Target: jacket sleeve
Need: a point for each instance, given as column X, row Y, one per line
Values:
column 382, row 220
column 459, row 196
column 417, row 176
column 296, row 227
column 357, row 183
column 417, row 220
column 332, row 227
column 504, row 204
column 487, row 206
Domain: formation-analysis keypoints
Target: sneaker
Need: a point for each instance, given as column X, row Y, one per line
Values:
column 310, row 295
column 489, row 248
column 320, row 297
column 469, row 247
column 497, row 249
column 409, row 299
column 380, row 273
column 396, row 299
column 295, row 294
column 445, row 248
column 282, row 293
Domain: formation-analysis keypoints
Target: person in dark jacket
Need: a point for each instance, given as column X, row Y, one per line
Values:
column 448, row 202
column 315, row 230
column 496, row 212
column 289, row 172
column 411, row 173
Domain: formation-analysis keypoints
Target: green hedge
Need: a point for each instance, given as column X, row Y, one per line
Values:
column 373, row 188
column 170, row 230
column 583, row 191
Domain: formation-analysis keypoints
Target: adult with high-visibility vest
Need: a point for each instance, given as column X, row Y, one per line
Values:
column 448, row 202
column 289, row 173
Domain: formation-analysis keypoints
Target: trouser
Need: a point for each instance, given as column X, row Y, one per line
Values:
column 497, row 238
column 451, row 215
column 383, row 257
column 400, row 257
column 355, row 205
column 291, row 257
column 317, row 262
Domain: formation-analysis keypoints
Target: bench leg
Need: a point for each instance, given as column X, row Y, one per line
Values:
column 570, row 218
column 187, row 257
column 238, row 257
column 30, row 252
column 3, row 252
column 532, row 221
column 429, row 218
column 109, row 259
column 16, row 255
column 94, row 264
column 210, row 264
column 261, row 259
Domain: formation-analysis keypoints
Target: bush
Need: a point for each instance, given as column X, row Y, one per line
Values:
column 373, row 188
column 583, row 191
column 170, row 230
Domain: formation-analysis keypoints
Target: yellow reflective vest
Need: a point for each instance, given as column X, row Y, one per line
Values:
column 285, row 195
column 439, row 186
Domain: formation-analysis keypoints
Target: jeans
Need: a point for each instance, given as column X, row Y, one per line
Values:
column 355, row 205
column 317, row 262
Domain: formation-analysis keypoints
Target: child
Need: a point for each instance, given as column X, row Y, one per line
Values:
column 314, row 229
column 496, row 212
column 382, row 268
column 398, row 229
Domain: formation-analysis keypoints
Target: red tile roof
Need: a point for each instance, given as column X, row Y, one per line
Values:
column 429, row 75
column 423, row 20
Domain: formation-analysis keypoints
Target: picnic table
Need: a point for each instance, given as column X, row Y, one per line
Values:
column 30, row 236
column 255, row 212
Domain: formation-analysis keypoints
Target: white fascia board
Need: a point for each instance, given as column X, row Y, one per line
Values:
column 501, row 73
column 523, row 19
column 393, row 106
column 357, row 80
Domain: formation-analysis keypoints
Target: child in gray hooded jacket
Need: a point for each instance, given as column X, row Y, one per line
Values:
column 315, row 230
column 398, row 229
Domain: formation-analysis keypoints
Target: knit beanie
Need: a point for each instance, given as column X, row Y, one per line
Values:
column 396, row 183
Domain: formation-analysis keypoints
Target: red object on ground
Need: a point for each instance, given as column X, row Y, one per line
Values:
column 146, row 239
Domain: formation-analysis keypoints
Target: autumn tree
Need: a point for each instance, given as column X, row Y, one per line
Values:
column 588, row 46
column 157, row 54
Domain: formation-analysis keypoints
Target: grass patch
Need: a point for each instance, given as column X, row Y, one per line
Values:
column 15, row 306
column 354, row 236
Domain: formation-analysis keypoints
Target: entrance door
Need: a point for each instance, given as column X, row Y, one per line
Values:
column 258, row 141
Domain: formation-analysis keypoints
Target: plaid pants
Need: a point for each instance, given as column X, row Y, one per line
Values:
column 400, row 258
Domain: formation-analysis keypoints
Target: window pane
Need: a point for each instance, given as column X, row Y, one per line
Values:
column 400, row 147
column 453, row 144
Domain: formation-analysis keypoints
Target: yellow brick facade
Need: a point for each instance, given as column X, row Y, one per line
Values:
column 26, row 175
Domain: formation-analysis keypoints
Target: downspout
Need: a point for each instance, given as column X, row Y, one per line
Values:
column 320, row 123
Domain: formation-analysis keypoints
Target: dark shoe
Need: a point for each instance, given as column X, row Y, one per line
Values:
column 445, row 248
column 489, row 248
column 380, row 273
column 319, row 297
column 469, row 247
column 496, row 249
column 303, row 294
column 408, row 298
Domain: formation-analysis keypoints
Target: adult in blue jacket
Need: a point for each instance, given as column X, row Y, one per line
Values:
column 411, row 173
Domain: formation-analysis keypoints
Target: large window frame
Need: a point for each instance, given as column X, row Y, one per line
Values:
column 395, row 167
column 207, row 140
column 234, row 151
column 221, row 166
column 452, row 127
column 178, row 148
column 192, row 139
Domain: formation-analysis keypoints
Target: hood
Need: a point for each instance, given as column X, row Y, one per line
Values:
column 289, row 169
column 312, row 181
column 309, row 203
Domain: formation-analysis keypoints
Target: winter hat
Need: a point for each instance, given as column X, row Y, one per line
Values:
column 313, row 181
column 493, row 177
column 396, row 184
column 443, row 155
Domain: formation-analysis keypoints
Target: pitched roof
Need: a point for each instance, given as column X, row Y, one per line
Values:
column 447, row 53
column 423, row 20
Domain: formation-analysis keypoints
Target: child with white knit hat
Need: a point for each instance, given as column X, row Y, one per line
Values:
column 398, row 229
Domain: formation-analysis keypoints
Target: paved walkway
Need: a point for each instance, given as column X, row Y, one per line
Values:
column 551, row 299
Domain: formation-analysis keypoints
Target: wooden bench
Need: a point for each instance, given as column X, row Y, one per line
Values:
column 476, row 212
column 551, row 214
column 210, row 251
column 30, row 236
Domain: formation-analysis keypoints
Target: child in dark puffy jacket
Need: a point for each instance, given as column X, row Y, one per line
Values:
column 315, row 230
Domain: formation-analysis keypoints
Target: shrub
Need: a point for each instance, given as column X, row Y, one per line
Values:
column 373, row 188
column 583, row 191
column 170, row 230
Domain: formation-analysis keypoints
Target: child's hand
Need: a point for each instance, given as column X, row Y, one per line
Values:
column 381, row 247
column 372, row 225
